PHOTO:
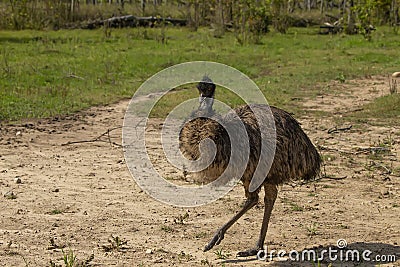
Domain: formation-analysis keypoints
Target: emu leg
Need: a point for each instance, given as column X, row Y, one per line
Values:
column 219, row 235
column 271, row 192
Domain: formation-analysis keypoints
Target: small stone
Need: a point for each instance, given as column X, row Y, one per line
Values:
column 149, row 251
column 17, row 180
column 10, row 195
column 385, row 192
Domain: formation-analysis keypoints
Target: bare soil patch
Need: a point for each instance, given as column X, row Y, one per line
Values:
column 81, row 196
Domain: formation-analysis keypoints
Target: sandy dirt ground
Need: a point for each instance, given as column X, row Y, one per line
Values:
column 81, row 198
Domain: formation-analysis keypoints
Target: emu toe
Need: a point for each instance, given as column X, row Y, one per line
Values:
column 248, row 253
column 215, row 240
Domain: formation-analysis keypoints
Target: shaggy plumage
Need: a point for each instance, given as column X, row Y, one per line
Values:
column 295, row 156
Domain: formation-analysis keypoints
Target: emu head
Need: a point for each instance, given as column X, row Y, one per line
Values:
column 206, row 89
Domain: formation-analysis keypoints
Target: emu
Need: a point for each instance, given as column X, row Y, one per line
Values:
column 295, row 155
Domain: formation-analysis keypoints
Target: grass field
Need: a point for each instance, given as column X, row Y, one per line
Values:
column 45, row 74
column 68, row 198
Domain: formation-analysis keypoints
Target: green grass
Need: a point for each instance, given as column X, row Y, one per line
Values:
column 44, row 74
column 115, row 243
column 312, row 229
column 221, row 254
column 167, row 229
column 386, row 109
column 55, row 212
column 328, row 157
column 293, row 206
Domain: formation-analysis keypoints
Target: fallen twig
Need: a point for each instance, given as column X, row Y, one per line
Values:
column 372, row 149
column 318, row 179
column 75, row 76
column 320, row 147
column 336, row 129
column 380, row 165
column 333, row 178
column 359, row 150
column 97, row 139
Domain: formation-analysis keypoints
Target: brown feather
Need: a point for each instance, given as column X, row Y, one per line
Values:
column 295, row 155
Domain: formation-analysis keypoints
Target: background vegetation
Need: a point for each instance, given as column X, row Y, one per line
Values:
column 253, row 15
column 45, row 73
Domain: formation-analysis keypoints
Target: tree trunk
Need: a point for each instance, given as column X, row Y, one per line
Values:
column 350, row 29
column 143, row 4
column 322, row 6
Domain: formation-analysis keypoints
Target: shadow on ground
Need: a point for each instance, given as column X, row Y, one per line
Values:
column 354, row 254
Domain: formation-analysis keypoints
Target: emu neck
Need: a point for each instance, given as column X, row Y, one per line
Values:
column 199, row 129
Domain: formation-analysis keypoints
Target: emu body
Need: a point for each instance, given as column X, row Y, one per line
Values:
column 295, row 156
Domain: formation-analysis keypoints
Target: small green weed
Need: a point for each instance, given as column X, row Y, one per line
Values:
column 167, row 229
column 200, row 235
column 184, row 257
column 115, row 243
column 328, row 157
column 293, row 206
column 56, row 211
column 71, row 260
column 206, row 262
column 10, row 195
column 222, row 255
column 181, row 218
column 341, row 78
column 312, row 229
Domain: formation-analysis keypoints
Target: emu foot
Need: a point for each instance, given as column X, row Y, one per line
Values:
column 215, row 240
column 249, row 252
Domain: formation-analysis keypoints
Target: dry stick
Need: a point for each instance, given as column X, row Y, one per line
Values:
column 323, row 177
column 335, row 149
column 380, row 165
column 371, row 149
column 333, row 178
column 293, row 185
column 74, row 76
column 137, row 124
column 97, row 139
column 336, row 129
column 359, row 150
column 108, row 135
